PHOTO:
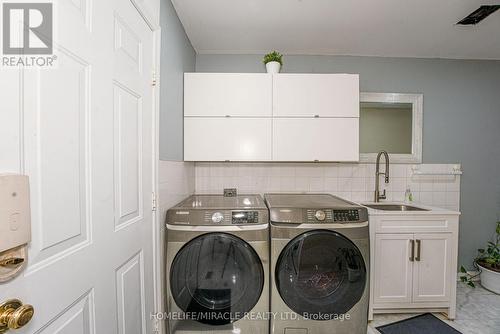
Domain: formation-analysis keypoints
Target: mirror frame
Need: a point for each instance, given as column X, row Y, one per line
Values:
column 417, row 101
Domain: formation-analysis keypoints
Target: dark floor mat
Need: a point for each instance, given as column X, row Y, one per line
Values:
column 421, row 324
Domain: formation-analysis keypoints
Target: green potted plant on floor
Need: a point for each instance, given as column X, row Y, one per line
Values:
column 488, row 264
column 273, row 62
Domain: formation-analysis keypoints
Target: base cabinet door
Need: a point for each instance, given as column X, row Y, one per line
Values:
column 393, row 268
column 227, row 139
column 432, row 267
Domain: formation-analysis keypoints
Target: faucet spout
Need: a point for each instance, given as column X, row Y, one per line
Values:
column 379, row 196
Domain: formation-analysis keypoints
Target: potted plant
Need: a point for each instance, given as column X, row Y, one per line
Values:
column 488, row 264
column 273, row 62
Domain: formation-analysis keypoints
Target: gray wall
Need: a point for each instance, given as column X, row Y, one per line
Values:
column 461, row 119
column 177, row 57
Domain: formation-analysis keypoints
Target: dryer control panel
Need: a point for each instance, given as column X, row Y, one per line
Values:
column 332, row 215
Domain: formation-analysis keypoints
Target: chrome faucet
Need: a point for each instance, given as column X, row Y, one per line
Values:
column 378, row 196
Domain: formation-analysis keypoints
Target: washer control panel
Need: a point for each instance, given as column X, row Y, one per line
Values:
column 332, row 216
column 228, row 217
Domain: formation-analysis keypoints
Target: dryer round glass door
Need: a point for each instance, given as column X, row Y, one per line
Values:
column 216, row 277
column 320, row 274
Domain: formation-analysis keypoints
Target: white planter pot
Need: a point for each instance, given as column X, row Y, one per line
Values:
column 273, row 67
column 490, row 279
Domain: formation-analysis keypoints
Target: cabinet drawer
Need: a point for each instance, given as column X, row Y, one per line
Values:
column 413, row 224
column 221, row 139
column 227, row 94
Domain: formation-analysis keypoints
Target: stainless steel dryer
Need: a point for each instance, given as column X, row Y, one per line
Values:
column 319, row 264
column 217, row 265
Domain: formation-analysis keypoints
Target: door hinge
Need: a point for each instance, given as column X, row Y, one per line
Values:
column 153, row 202
column 153, row 79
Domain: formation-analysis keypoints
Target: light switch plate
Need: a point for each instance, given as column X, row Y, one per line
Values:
column 15, row 218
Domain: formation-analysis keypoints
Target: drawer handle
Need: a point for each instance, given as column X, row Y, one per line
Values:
column 419, row 246
column 412, row 250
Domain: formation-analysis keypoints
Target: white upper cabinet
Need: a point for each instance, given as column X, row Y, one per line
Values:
column 263, row 117
column 228, row 94
column 316, row 139
column 309, row 95
column 227, row 139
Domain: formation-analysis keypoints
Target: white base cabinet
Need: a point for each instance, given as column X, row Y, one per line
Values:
column 414, row 263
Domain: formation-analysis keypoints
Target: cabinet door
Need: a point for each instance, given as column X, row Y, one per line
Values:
column 432, row 268
column 393, row 268
column 316, row 139
column 306, row 95
column 228, row 94
column 220, row 139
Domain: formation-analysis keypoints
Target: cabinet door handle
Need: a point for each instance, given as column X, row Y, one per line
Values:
column 412, row 250
column 419, row 246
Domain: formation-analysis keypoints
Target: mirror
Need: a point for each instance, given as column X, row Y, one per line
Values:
column 391, row 122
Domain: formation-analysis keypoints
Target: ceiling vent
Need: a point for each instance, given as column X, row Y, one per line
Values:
column 479, row 14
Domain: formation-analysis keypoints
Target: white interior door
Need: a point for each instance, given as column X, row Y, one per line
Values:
column 83, row 132
column 393, row 268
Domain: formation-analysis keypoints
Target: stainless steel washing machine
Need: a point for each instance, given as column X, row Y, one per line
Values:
column 217, row 265
column 319, row 264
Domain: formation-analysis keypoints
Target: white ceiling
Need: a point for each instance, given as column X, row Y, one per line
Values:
column 388, row 28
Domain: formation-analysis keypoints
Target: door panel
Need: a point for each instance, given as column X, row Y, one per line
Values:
column 128, row 150
column 306, row 95
column 219, row 139
column 223, row 94
column 83, row 132
column 57, row 157
column 130, row 294
column 393, row 268
column 310, row 139
column 431, row 275
column 77, row 319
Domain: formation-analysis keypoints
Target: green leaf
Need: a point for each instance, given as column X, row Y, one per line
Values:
column 463, row 278
column 463, row 270
column 471, row 284
column 273, row 56
column 481, row 250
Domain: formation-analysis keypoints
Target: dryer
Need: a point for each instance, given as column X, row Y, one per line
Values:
column 217, row 265
column 319, row 264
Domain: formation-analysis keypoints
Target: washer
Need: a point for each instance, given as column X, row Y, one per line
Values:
column 217, row 265
column 319, row 264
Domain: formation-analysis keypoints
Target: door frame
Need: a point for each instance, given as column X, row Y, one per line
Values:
column 145, row 13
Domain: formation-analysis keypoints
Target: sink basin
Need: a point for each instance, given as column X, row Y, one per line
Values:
column 394, row 207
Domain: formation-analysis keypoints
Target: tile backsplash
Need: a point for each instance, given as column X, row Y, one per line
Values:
column 351, row 181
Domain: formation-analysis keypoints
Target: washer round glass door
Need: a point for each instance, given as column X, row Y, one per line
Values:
column 217, row 277
column 320, row 274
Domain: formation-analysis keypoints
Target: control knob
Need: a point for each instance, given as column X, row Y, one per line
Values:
column 320, row 215
column 217, row 217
